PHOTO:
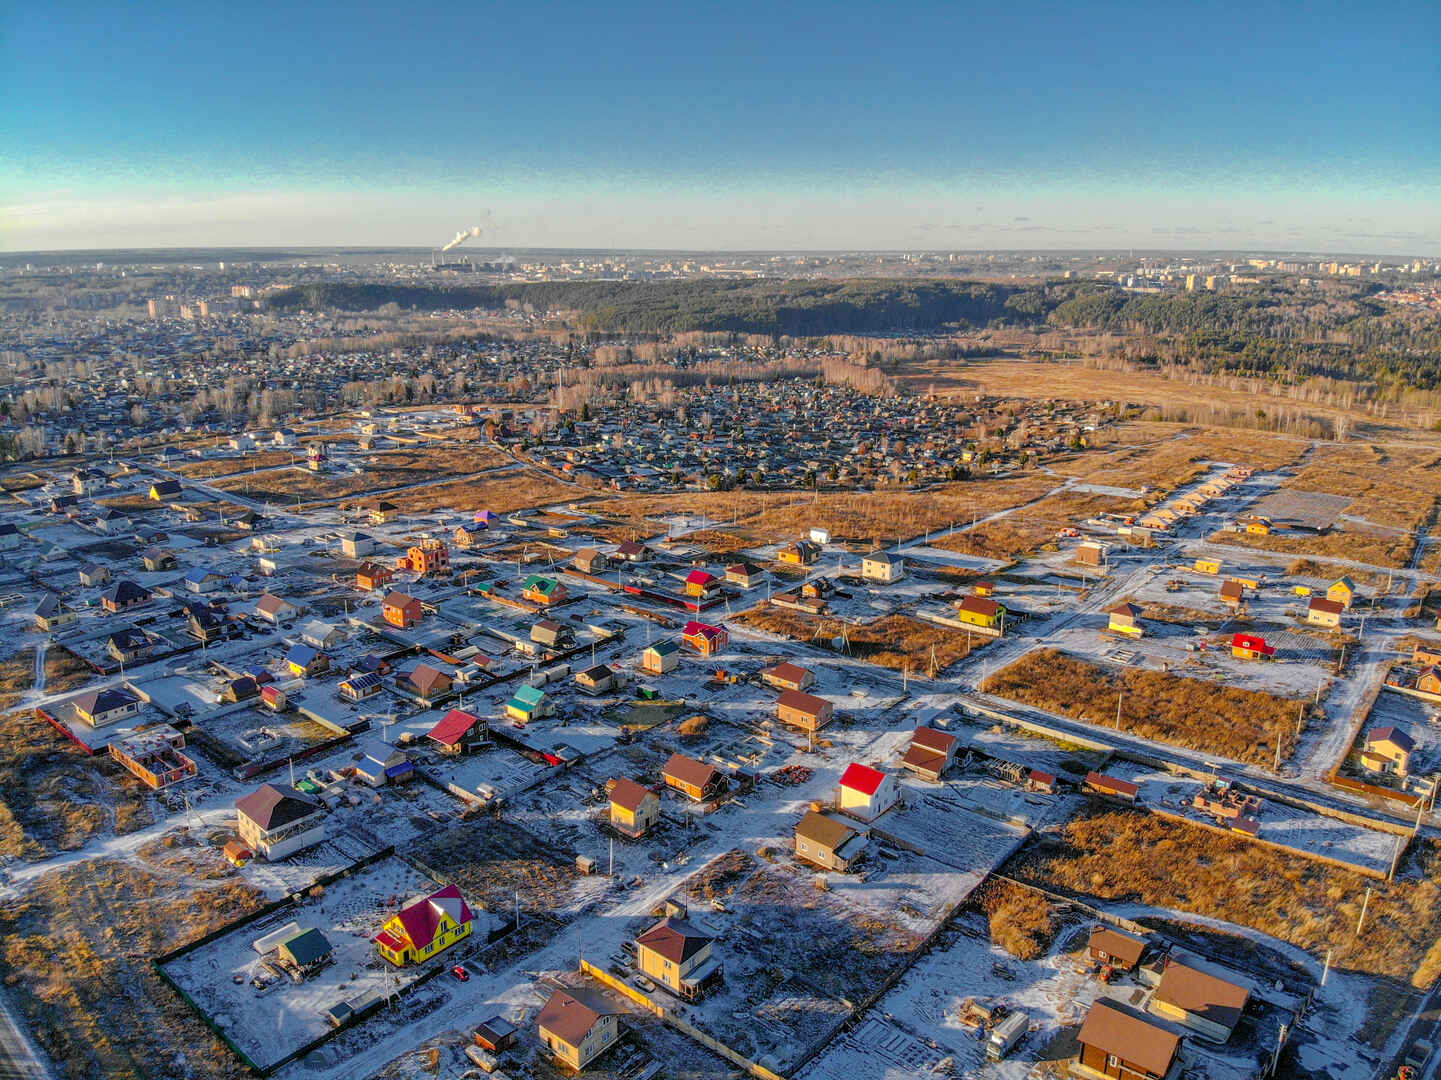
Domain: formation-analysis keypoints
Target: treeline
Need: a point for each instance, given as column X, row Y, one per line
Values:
column 769, row 307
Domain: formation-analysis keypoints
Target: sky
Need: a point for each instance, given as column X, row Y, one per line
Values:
column 1307, row 125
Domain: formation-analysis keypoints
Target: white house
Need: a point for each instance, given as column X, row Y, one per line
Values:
column 883, row 567
column 276, row 609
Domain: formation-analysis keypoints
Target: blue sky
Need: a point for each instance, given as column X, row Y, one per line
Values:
column 1297, row 125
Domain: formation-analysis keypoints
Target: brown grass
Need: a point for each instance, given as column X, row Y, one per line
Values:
column 1331, row 571
column 264, row 459
column 1021, row 921
column 502, row 494
column 1130, row 856
column 1391, row 486
column 64, row 670
column 898, row 642
column 385, row 470
column 1031, row 527
column 75, row 951
column 1394, row 551
column 1243, row 725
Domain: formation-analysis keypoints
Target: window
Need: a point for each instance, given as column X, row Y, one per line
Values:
column 1112, row 1061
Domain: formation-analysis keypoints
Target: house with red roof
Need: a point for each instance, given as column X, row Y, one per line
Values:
column 1251, row 647
column 701, row 583
column 457, row 731
column 704, row 638
column 425, row 926
column 866, row 793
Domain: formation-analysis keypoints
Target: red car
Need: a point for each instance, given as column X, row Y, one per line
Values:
column 460, row 973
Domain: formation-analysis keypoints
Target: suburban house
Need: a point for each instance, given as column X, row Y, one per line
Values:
column 109, row 706
column 632, row 551
column 165, row 489
column 828, row 842
column 745, row 575
column 1429, row 680
column 275, row 820
column 202, row 580
column 425, row 926
column 679, row 957
column 693, row 778
column 156, row 559
column 1321, row 611
column 321, row 634
column 1118, row 1042
column 383, row 512
column 788, row 676
column 1121, row 951
column 801, row 553
column 1090, row 553
column 590, row 561
column 358, row 687
column 94, row 574
column 356, row 545
column 426, row 682
column 883, row 567
column 931, row 753
column 124, row 595
column 701, row 583
column 634, row 808
column 1387, row 750
column 400, row 609
column 805, row 711
column 51, row 613
column 577, row 1026
column 1207, row 566
column 129, row 644
column 704, row 638
column 371, row 576
column 304, row 660
column 866, row 793
column 660, row 658
column 1233, row 593
column 1196, row 999
column 154, row 756
column 595, row 680
column 205, row 625
column 430, row 556
column 551, row 634
column 982, row 611
column 528, row 703
column 381, row 762
column 458, row 732
column 1125, row 619
column 543, row 590
column 276, row 609
column 1251, row 647
column 1343, row 591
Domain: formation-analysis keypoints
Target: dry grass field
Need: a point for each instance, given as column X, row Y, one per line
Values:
column 1168, row 456
column 218, row 467
column 503, row 493
column 1130, row 856
column 74, row 955
column 864, row 516
column 1375, row 550
column 383, row 470
column 898, row 642
column 64, row 670
column 1243, row 725
column 1396, row 487
column 1020, row 920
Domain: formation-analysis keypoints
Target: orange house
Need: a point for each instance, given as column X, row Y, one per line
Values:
column 372, row 576
column 430, row 556
column 401, row 610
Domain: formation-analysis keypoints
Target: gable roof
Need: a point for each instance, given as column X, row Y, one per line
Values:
column 1392, row 734
column 802, row 702
column 824, row 829
column 425, row 678
column 787, row 672
column 980, row 605
column 570, row 1014
column 422, row 917
column 1115, row 1029
column 271, row 604
column 1330, row 607
column 453, row 726
column 399, row 600
column 1202, row 994
column 689, row 771
column 627, row 794
column 939, row 742
column 1114, row 943
column 862, row 778
column 302, row 655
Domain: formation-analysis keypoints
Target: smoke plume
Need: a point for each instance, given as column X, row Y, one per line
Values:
column 462, row 236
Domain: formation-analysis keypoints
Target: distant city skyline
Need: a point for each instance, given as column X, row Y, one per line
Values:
column 744, row 127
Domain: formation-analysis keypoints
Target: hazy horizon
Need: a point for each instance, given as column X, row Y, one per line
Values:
column 806, row 128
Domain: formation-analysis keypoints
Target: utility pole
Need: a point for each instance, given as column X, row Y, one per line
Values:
column 1396, row 855
column 1326, row 969
column 1364, row 904
column 1119, row 691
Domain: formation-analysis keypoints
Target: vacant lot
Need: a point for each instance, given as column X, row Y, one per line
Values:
column 390, row 469
column 865, row 516
column 501, row 494
column 1243, row 725
column 1031, row 527
column 263, row 459
column 1134, row 857
column 64, row 670
column 1395, row 550
column 1020, row 919
column 1390, row 486
column 74, row 949
column 898, row 642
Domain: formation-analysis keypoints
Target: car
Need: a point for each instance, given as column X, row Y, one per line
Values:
column 460, row 973
column 645, row 984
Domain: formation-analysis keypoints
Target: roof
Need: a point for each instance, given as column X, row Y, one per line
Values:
column 453, row 726
column 1252, row 642
column 699, row 577
column 938, row 741
column 1232, row 589
column 674, row 939
column 1330, row 607
column 273, row 805
column 1345, row 583
column 1202, row 994
column 125, row 591
column 1110, row 783
column 1114, row 943
column 689, row 771
column 49, row 606
column 425, row 677
column 786, row 672
column 627, row 794
column 1115, row 1029
column 270, row 604
column 595, row 674
column 824, row 830
column 399, row 599
column 302, row 655
column 694, row 628
column 102, row 701
column 799, row 700
column 980, row 605
column 363, row 681
column 422, row 917
column 1129, row 611
column 528, row 695
column 862, row 778
column 879, row 556
column 663, row 648
column 1392, row 734
column 570, row 1014
column 307, row 947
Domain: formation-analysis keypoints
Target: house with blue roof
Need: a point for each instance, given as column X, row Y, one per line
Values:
column 304, row 660
column 203, row 580
column 529, row 703
column 382, row 763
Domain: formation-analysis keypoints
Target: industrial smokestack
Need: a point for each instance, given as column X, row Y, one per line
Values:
column 462, row 236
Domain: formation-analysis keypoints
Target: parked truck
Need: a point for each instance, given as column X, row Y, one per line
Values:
column 1006, row 1034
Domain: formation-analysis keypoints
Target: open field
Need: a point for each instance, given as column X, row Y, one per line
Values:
column 1031, row 527
column 885, row 515
column 1243, row 725
column 1167, row 456
column 74, row 958
column 1362, row 547
column 65, row 671
column 1132, row 856
column 501, row 494
column 1397, row 487
column 263, row 459
column 382, row 470
column 1019, row 920
column 898, row 642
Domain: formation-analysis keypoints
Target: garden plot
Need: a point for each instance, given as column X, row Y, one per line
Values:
column 247, row 733
column 1419, row 719
column 271, row 1021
